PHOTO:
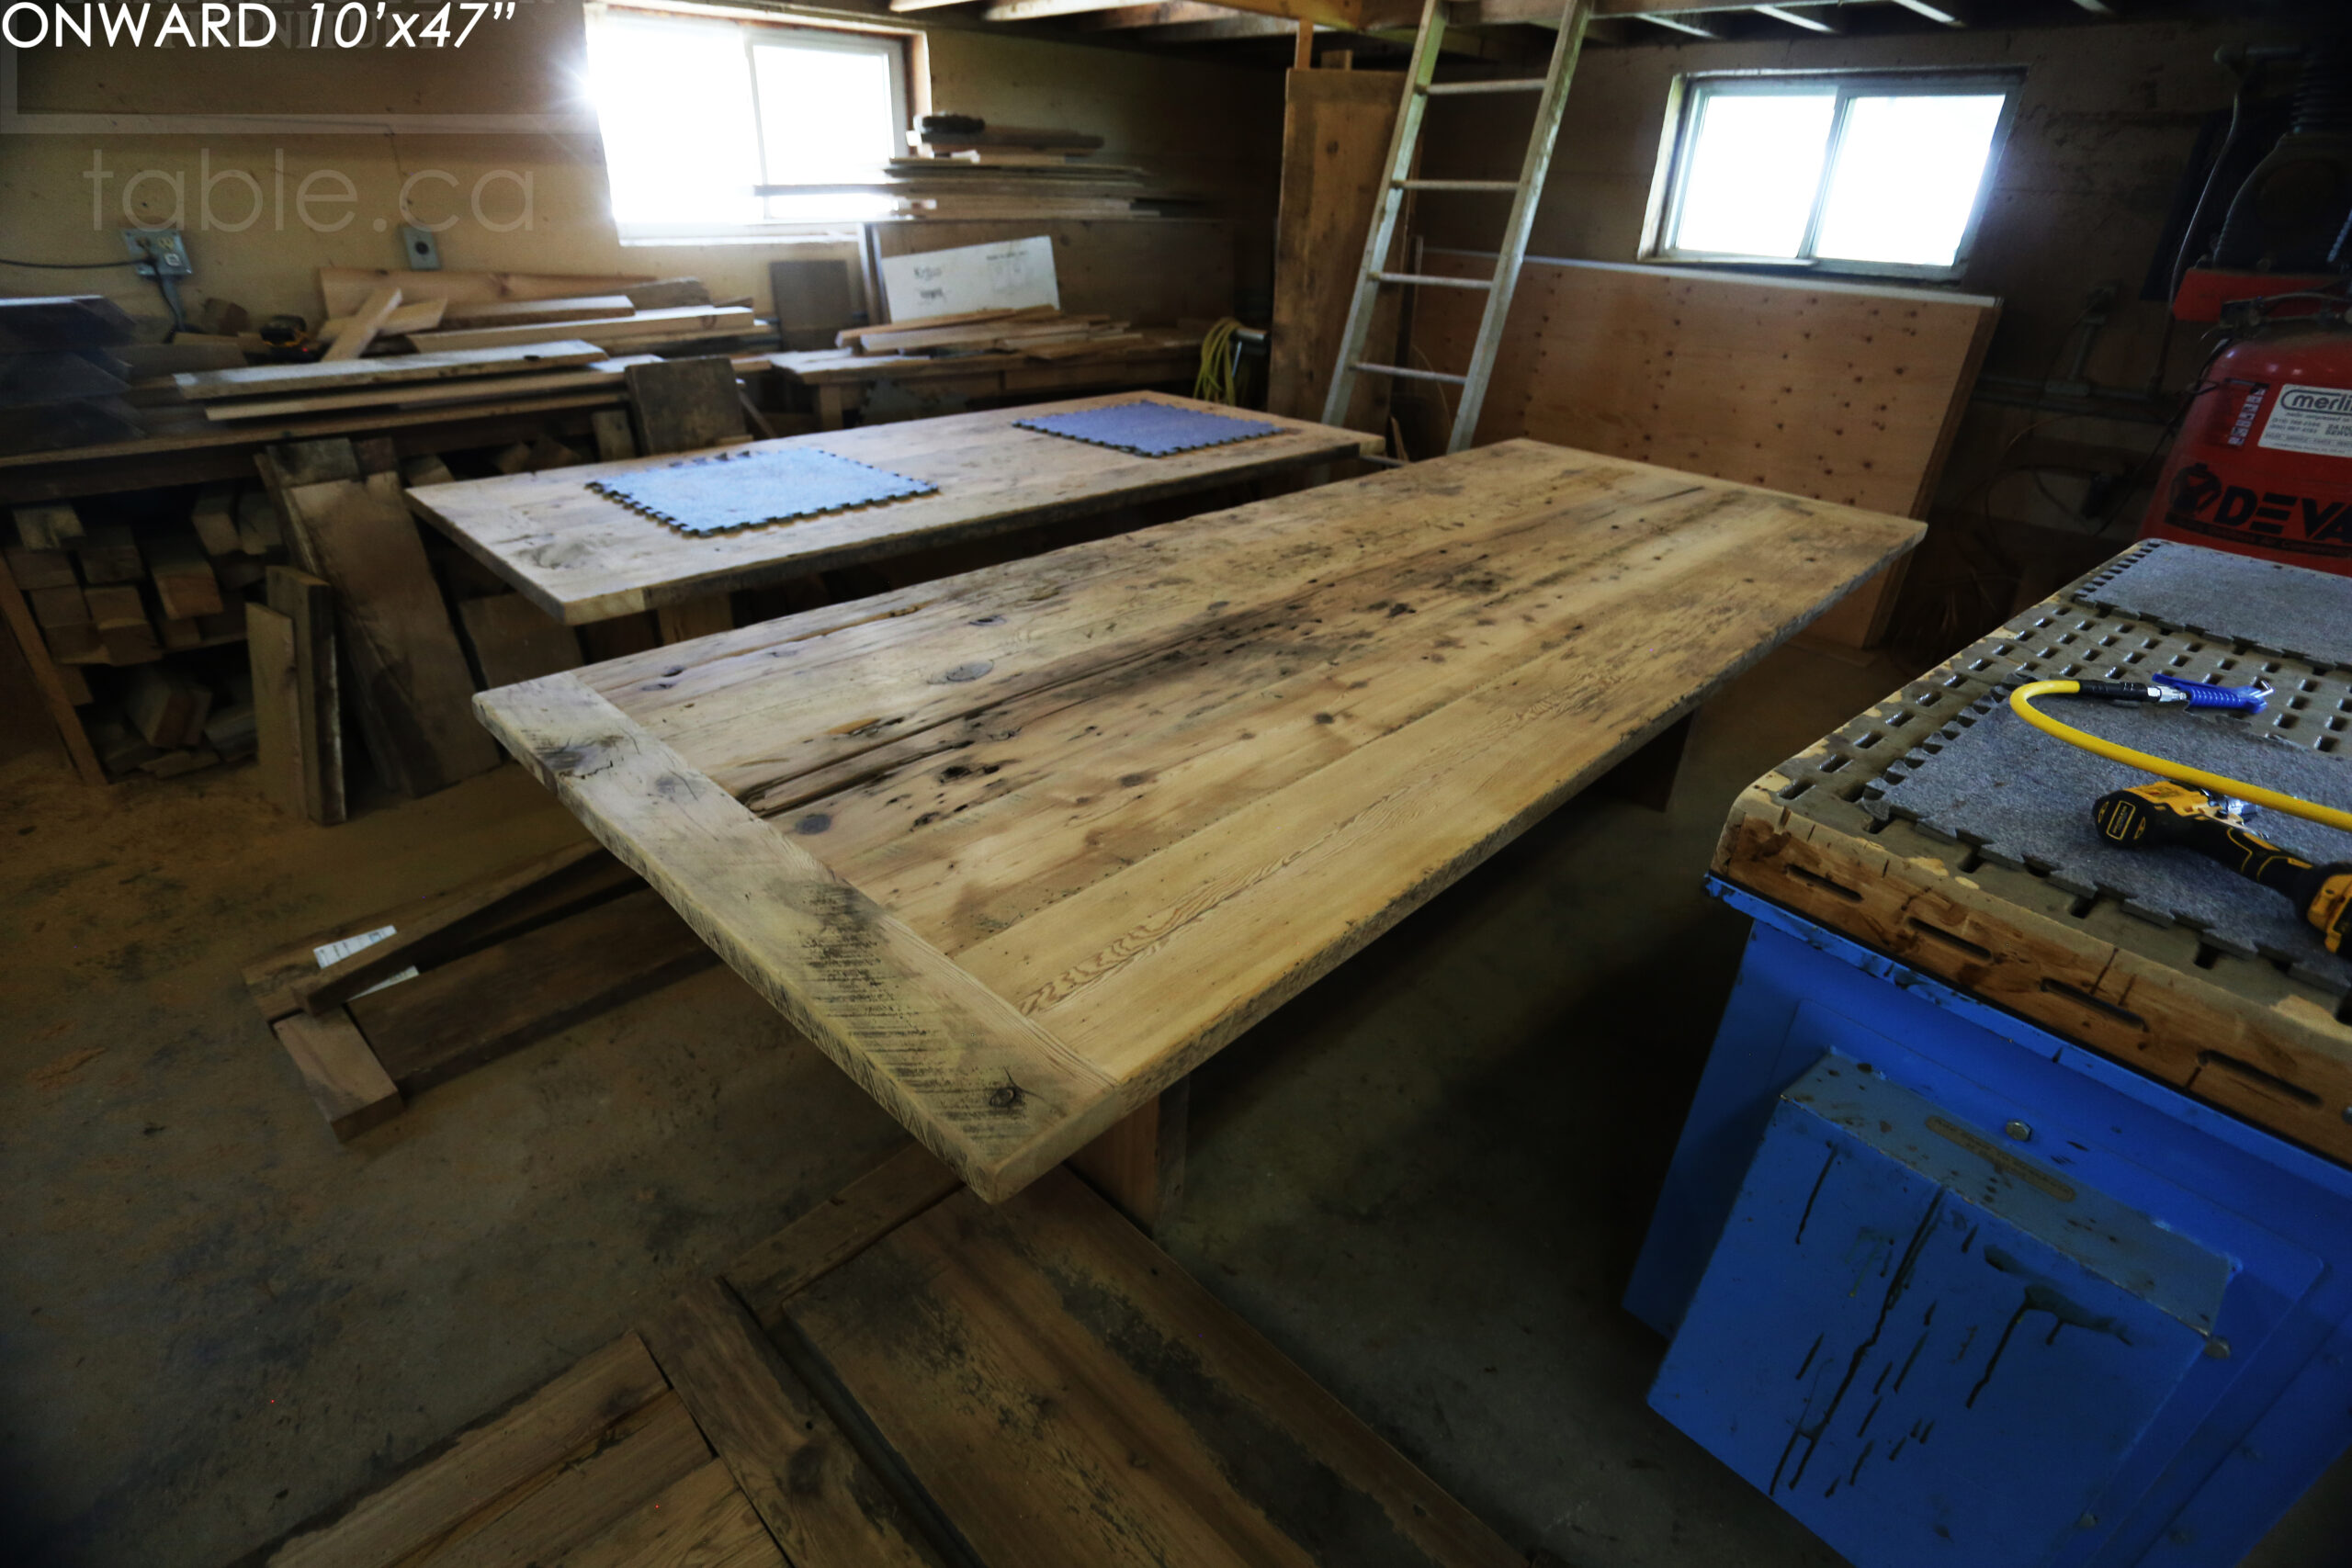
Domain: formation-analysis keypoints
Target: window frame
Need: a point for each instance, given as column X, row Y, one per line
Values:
column 1690, row 90
column 903, row 49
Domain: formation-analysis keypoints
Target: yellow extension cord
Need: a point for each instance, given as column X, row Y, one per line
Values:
column 2021, row 701
column 1215, row 383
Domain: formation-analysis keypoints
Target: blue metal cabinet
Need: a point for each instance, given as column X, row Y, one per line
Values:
column 1951, row 1290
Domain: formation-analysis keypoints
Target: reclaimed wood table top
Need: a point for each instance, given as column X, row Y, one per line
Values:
column 1019, row 848
column 583, row 558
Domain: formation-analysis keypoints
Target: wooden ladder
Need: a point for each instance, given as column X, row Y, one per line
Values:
column 1373, row 273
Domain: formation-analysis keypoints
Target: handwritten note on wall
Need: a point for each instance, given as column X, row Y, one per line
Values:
column 1007, row 276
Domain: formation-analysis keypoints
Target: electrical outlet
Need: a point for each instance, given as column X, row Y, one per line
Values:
column 421, row 247
column 161, row 252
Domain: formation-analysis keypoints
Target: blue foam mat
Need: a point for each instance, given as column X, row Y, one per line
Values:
column 743, row 490
column 1150, row 429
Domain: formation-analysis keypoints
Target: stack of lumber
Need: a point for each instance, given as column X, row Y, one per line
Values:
column 106, row 597
column 58, row 387
column 440, row 312
column 1037, row 331
column 967, row 168
column 477, row 375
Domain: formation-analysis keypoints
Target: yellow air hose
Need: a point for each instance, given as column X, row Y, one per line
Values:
column 1215, row 384
column 2021, row 701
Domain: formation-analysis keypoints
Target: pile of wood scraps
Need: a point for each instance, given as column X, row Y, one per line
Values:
column 59, row 384
column 109, row 599
column 437, row 313
column 498, row 375
column 377, row 1008
column 1037, row 332
column 966, row 169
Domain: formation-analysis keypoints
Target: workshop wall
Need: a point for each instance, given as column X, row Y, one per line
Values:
column 1201, row 127
column 2109, row 114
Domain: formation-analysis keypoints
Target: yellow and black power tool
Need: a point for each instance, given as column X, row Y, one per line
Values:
column 2190, row 809
column 2162, row 813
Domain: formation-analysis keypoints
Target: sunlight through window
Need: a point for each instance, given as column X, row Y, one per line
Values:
column 698, row 113
column 1862, row 174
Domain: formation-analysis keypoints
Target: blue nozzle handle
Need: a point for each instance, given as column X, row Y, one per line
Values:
column 2230, row 699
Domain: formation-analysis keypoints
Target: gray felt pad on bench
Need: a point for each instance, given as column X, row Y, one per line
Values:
column 1150, row 429
column 2291, row 608
column 707, row 495
column 2025, row 798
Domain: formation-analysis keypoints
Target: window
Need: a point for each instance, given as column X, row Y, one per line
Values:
column 1871, row 173
column 698, row 112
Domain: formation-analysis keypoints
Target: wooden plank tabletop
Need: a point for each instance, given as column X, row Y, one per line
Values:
column 582, row 558
column 1020, row 848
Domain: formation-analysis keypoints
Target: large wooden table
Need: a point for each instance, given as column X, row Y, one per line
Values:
column 582, row 558
column 1020, row 848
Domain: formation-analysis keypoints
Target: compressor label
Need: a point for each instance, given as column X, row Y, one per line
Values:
column 2310, row 419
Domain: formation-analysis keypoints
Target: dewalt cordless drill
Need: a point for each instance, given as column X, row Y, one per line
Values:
column 2162, row 813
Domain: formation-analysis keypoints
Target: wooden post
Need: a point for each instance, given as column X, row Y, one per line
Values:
column 1139, row 1163
column 1304, row 59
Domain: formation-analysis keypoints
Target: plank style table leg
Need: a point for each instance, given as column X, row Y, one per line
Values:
column 832, row 404
column 1139, row 1163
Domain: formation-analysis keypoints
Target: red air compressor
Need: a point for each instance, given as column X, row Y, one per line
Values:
column 2264, row 462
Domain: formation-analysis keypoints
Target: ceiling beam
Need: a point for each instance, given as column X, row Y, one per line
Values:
column 1165, row 13
column 1680, row 25
column 1948, row 12
column 1804, row 19
column 1331, row 13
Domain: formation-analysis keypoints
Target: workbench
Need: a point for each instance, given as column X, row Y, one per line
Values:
column 583, row 558
column 1997, row 1169
column 840, row 383
column 1021, row 847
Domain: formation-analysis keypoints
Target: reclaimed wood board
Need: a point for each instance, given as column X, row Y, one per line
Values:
column 339, row 375
column 408, row 675
column 2270, row 1043
column 1849, row 392
column 1021, row 847
column 583, row 558
column 1336, row 128
column 932, row 1384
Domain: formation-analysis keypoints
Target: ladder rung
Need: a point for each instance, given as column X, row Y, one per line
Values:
column 1433, row 280
column 1411, row 374
column 1456, row 185
column 1508, row 85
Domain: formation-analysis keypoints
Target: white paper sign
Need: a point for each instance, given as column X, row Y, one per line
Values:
column 1010, row 275
column 335, row 952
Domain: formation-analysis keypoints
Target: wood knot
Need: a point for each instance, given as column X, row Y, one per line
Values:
column 1006, row 1095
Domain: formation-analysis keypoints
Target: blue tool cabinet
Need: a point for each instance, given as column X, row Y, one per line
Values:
column 1952, row 1291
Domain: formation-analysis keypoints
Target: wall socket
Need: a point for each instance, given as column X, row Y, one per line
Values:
column 421, row 248
column 161, row 252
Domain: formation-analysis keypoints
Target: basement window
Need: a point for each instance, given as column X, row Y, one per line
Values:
column 1839, row 172
column 699, row 112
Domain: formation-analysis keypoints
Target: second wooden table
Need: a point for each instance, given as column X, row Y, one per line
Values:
column 583, row 558
column 1021, row 847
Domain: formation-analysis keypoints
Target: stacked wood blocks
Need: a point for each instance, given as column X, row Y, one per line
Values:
column 58, row 387
column 121, row 596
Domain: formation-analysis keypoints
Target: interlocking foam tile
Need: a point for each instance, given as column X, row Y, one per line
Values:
column 2291, row 608
column 709, row 495
column 1150, row 429
column 2025, row 798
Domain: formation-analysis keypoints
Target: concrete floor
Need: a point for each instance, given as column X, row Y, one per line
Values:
column 1426, row 1179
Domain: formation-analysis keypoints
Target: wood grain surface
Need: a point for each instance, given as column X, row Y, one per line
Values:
column 582, row 558
column 1020, row 848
